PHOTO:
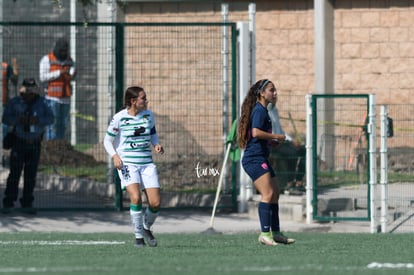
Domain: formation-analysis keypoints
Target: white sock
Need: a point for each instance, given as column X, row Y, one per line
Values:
column 149, row 218
column 136, row 220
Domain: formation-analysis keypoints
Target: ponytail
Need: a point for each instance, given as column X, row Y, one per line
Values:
column 248, row 104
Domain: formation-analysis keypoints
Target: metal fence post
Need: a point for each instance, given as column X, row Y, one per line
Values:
column 372, row 160
column 309, row 162
column 119, row 87
column 384, row 168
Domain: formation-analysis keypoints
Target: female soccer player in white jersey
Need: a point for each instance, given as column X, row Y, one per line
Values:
column 128, row 141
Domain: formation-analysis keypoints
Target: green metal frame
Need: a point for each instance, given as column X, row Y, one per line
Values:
column 315, row 97
column 120, row 27
column 234, row 109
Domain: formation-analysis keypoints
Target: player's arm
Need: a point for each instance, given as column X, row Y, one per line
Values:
column 260, row 134
column 154, row 141
column 109, row 147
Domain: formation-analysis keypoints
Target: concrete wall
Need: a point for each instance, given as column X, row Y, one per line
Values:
column 373, row 49
column 374, row 41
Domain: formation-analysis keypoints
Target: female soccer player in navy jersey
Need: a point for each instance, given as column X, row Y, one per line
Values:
column 255, row 136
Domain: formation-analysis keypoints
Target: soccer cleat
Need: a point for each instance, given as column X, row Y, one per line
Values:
column 280, row 238
column 139, row 243
column 150, row 238
column 266, row 240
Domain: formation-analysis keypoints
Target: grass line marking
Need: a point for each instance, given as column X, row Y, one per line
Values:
column 67, row 269
column 376, row 265
column 65, row 242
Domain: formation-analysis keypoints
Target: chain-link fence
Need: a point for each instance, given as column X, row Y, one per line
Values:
column 400, row 160
column 190, row 83
column 342, row 176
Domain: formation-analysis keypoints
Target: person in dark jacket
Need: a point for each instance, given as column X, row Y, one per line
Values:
column 29, row 114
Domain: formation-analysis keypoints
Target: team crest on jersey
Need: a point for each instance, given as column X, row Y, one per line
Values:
column 126, row 121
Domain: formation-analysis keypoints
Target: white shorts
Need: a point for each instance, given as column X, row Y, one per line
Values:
column 145, row 175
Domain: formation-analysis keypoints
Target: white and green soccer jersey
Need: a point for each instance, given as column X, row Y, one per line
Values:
column 133, row 136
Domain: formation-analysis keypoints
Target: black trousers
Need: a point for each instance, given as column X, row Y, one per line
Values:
column 25, row 157
column 291, row 154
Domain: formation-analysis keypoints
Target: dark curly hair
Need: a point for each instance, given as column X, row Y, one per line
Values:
column 249, row 101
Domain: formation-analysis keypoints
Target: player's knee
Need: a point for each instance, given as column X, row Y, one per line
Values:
column 135, row 199
column 267, row 196
column 155, row 205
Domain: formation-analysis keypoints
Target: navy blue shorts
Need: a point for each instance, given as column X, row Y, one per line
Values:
column 257, row 168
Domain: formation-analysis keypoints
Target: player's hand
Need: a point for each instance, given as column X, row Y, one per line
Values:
column 159, row 149
column 117, row 162
column 280, row 138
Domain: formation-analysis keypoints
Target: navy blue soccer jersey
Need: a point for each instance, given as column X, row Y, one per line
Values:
column 258, row 148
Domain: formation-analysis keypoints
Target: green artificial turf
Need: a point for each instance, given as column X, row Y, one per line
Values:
column 109, row 253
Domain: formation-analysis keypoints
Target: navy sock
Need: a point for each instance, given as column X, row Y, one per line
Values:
column 264, row 216
column 275, row 223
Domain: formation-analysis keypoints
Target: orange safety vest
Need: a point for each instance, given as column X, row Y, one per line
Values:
column 59, row 87
column 5, row 82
